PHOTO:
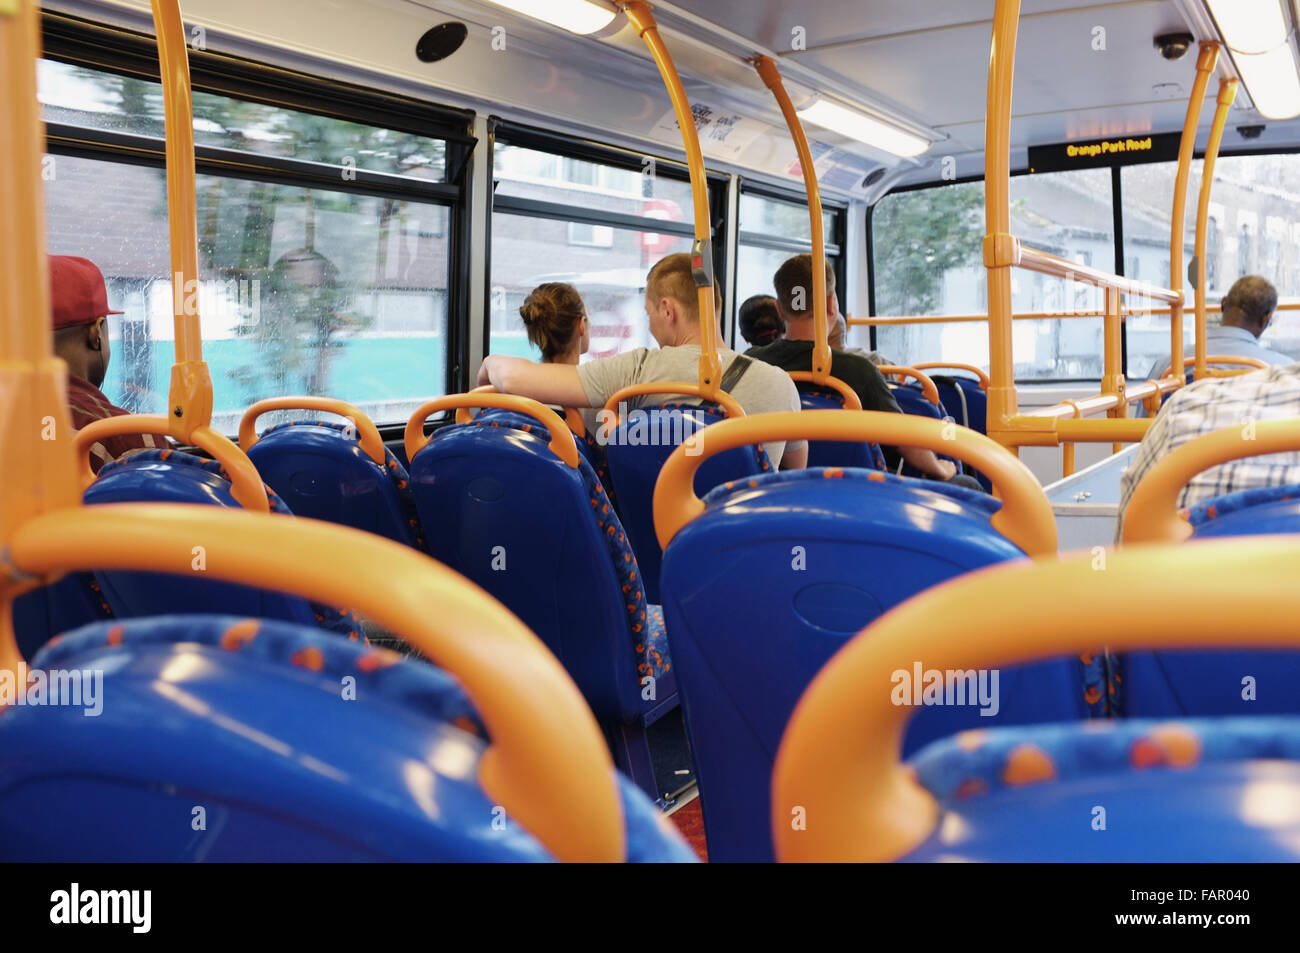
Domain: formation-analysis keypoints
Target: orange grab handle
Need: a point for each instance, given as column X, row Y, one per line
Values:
column 246, row 484
column 927, row 386
column 547, row 766
column 1025, row 517
column 851, row 399
column 840, row 759
column 948, row 365
column 728, row 403
column 1152, row 514
column 562, row 444
column 572, row 416
column 371, row 443
column 1248, row 362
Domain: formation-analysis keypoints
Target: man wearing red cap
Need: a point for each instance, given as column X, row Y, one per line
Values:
column 80, row 304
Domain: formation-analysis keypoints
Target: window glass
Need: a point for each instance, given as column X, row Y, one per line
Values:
column 302, row 291
column 76, row 96
column 782, row 219
column 609, row 274
column 530, row 174
column 755, row 266
column 926, row 248
column 1250, row 229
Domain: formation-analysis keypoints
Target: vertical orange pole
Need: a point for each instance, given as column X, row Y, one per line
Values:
column 1205, row 63
column 639, row 15
column 1001, row 250
column 1227, row 93
column 37, row 473
column 1112, row 381
column 190, row 395
column 771, row 76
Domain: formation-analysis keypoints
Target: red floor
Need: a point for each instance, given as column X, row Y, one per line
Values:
column 690, row 821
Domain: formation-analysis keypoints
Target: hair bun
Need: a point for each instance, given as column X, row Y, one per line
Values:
column 533, row 310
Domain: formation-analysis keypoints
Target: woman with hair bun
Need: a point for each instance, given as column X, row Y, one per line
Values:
column 556, row 320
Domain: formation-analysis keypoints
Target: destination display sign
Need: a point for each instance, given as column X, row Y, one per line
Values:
column 1100, row 153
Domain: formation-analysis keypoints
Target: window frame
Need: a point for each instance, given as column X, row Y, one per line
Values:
column 111, row 49
column 1117, row 209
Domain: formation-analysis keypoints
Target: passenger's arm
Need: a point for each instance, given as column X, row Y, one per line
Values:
column 795, row 459
column 549, row 383
column 928, row 463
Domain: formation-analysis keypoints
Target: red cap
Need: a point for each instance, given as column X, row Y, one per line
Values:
column 77, row 292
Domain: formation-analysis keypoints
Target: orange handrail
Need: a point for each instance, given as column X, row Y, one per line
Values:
column 928, row 387
column 839, row 765
column 548, row 764
column 953, row 366
column 639, row 15
column 821, row 355
column 36, row 471
column 561, row 444
column 1227, row 93
column 1003, row 251
column 246, row 485
column 960, row 318
column 189, row 398
column 851, row 399
column 1025, row 517
column 611, row 416
column 372, row 445
column 572, row 416
column 1152, row 515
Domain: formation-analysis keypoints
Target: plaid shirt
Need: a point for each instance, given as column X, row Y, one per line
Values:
column 88, row 404
column 1214, row 404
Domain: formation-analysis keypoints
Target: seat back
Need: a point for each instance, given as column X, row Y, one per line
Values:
column 1160, row 684
column 122, row 786
column 636, row 452
column 835, row 453
column 320, row 471
column 968, row 404
column 542, row 537
column 757, row 604
column 912, row 400
column 167, row 476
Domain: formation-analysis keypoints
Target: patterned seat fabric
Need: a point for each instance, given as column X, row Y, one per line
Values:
column 344, row 622
column 378, row 672
column 975, row 763
column 969, row 497
column 646, row 621
column 396, row 472
column 711, row 413
column 1208, row 510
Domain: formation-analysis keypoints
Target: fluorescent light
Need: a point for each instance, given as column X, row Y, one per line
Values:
column 863, row 128
column 1258, row 37
column 576, row 16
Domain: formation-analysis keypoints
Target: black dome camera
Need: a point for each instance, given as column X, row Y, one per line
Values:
column 1174, row 46
column 1250, row 132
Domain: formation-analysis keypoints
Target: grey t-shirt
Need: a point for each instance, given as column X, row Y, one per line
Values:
column 763, row 389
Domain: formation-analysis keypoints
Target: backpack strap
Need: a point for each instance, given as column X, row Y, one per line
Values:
column 735, row 371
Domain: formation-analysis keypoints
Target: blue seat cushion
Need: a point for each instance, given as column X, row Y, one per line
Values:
column 1116, row 790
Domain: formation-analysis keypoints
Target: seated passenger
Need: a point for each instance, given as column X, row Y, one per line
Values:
column 838, row 332
column 1247, row 310
column 671, row 304
column 1213, row 404
column 79, row 302
column 760, row 321
column 555, row 317
column 793, row 296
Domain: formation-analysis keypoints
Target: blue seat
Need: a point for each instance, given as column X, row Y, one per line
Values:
column 73, row 601
column 320, row 471
column 1172, row 684
column 636, row 452
column 968, row 405
column 1174, row 792
column 775, row 576
column 911, row 400
column 169, row 476
column 226, row 739
column 543, row 538
column 836, row 453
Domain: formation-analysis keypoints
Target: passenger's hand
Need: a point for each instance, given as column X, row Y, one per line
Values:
column 947, row 469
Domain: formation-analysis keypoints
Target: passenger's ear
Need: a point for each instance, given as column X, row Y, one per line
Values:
column 94, row 338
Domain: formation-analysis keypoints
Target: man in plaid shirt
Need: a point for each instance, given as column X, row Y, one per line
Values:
column 1213, row 404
